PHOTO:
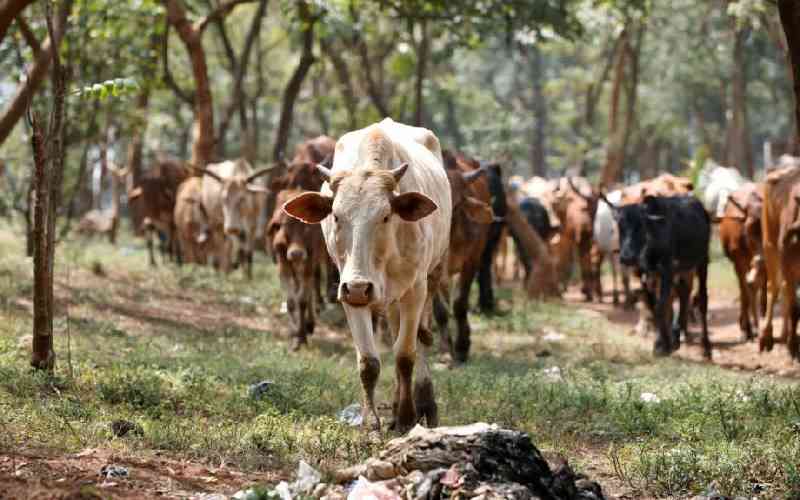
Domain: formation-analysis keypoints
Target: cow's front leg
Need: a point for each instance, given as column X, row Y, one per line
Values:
column 409, row 309
column 359, row 319
column 663, row 345
column 681, row 323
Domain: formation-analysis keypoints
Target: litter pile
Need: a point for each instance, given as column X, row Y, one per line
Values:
column 478, row 461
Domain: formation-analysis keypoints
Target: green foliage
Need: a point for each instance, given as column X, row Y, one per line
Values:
column 110, row 88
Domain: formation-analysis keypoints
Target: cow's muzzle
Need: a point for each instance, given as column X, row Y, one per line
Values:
column 357, row 293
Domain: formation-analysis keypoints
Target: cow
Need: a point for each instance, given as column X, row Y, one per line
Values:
column 667, row 240
column 232, row 201
column 301, row 173
column 153, row 197
column 740, row 235
column 469, row 229
column 191, row 222
column 715, row 184
column 606, row 245
column 577, row 229
column 300, row 253
column 780, row 226
column 385, row 212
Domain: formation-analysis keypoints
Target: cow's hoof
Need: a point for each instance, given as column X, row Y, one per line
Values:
column 765, row 343
column 460, row 356
column 310, row 328
column 794, row 347
column 296, row 343
column 707, row 353
column 661, row 350
column 425, row 403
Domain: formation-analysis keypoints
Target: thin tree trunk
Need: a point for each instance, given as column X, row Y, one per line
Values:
column 631, row 91
column 789, row 11
column 374, row 91
column 292, row 89
column 48, row 153
column 538, row 156
column 9, row 9
column 423, row 54
column 135, row 147
column 739, row 154
column 36, row 75
column 237, row 102
column 191, row 36
column 611, row 169
column 345, row 82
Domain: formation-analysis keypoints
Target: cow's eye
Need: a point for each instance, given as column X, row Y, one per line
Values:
column 386, row 219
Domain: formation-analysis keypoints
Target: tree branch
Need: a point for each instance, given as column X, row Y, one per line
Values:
column 187, row 97
column 28, row 35
column 10, row 9
column 220, row 12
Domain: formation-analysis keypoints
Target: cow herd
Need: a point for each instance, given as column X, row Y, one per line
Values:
column 395, row 225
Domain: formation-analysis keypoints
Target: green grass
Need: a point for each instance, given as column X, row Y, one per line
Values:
column 137, row 355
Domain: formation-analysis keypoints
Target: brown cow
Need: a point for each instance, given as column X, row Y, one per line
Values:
column 469, row 229
column 577, row 227
column 740, row 235
column 303, row 174
column 780, row 225
column 300, row 252
column 191, row 222
column 154, row 196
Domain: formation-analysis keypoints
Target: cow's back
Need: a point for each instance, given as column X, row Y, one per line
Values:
column 605, row 227
column 777, row 190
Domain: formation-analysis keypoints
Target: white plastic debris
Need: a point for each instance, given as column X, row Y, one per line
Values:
column 553, row 374
column 114, row 471
column 284, row 307
column 363, row 489
column 249, row 494
column 307, row 479
column 553, row 336
column 741, row 396
column 284, row 491
column 351, row 415
column 649, row 397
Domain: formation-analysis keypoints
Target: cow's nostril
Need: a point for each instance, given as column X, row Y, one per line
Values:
column 368, row 290
column 345, row 290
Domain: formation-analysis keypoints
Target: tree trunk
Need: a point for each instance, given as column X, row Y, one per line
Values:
column 739, row 153
column 36, row 74
column 345, row 82
column 613, row 164
column 538, row 156
column 292, row 89
column 237, row 102
column 789, row 11
column 133, row 160
column 374, row 90
column 423, row 54
column 48, row 154
column 191, row 36
column 631, row 91
column 9, row 9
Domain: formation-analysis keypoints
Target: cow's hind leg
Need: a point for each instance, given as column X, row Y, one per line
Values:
column 461, row 312
column 441, row 312
column 702, row 304
column 663, row 344
column 424, row 397
column 681, row 323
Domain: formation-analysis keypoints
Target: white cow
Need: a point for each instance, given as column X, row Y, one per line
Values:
column 385, row 214
column 715, row 184
column 606, row 237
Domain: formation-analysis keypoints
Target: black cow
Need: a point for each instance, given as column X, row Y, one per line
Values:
column 666, row 239
column 536, row 215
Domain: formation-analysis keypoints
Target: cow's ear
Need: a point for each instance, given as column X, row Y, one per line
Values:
column 309, row 207
column 412, row 206
column 478, row 211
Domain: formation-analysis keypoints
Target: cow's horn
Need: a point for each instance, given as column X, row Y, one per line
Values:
column 473, row 175
column 605, row 200
column 325, row 171
column 261, row 172
column 399, row 172
column 577, row 191
column 208, row 173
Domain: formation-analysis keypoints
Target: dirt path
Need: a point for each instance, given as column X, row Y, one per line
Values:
column 729, row 350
